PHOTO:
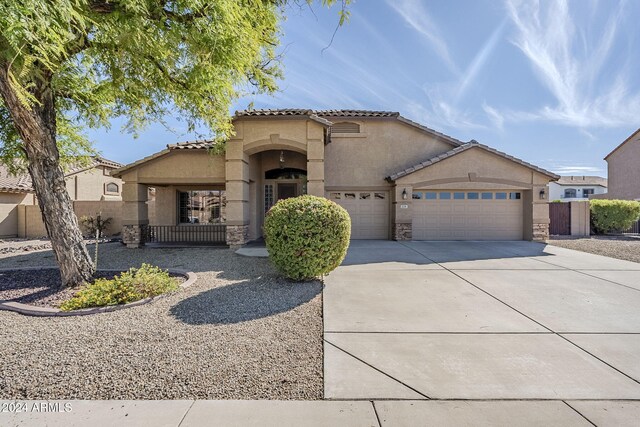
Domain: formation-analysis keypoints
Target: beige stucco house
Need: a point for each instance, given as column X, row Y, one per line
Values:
column 91, row 182
column 623, row 165
column 396, row 178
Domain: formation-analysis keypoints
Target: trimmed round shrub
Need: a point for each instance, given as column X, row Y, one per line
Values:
column 613, row 215
column 307, row 236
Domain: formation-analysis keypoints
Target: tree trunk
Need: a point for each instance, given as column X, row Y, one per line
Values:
column 36, row 126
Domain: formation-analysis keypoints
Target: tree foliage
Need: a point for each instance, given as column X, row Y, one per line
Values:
column 138, row 59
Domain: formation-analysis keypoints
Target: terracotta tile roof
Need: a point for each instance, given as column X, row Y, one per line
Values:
column 320, row 113
column 460, row 149
column 583, row 180
column 10, row 183
column 22, row 183
column 323, row 114
column 191, row 145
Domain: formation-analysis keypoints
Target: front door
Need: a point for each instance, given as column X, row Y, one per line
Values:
column 287, row 190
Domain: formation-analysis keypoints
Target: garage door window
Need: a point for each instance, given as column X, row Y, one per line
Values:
column 514, row 196
column 487, row 196
column 501, row 196
column 430, row 195
column 379, row 196
column 365, row 196
column 458, row 196
column 472, row 196
column 349, row 195
column 416, row 196
column 445, row 195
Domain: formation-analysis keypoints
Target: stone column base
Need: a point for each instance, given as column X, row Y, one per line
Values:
column 237, row 235
column 134, row 235
column 402, row 231
column 540, row 232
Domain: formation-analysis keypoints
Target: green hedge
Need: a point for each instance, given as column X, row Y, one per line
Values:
column 307, row 236
column 133, row 285
column 613, row 215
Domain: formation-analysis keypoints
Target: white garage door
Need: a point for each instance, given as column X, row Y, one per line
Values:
column 369, row 212
column 467, row 215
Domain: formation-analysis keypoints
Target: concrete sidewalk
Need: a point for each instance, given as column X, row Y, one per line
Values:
column 188, row 413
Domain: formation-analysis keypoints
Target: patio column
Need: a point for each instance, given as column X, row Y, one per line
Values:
column 315, row 161
column 135, row 214
column 402, row 213
column 237, row 191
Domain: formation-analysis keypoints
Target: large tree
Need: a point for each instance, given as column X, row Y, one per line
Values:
column 67, row 64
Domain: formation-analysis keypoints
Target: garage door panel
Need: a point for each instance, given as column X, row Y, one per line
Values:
column 369, row 212
column 468, row 218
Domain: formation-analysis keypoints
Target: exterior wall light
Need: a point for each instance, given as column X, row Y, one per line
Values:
column 542, row 193
column 404, row 194
column 282, row 159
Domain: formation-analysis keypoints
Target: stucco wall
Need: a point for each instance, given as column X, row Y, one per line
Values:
column 9, row 211
column 624, row 171
column 90, row 184
column 30, row 224
column 180, row 167
column 385, row 147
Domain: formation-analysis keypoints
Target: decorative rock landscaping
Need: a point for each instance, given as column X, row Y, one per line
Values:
column 239, row 332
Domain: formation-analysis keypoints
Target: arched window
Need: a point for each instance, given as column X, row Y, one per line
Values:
column 112, row 187
column 345, row 127
column 569, row 193
column 285, row 173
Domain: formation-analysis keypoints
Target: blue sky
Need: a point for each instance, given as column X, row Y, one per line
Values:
column 556, row 83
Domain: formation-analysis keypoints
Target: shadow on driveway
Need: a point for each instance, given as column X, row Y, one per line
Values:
column 248, row 300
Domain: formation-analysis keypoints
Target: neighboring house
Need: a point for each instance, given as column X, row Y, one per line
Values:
column 396, row 178
column 92, row 182
column 624, row 169
column 576, row 188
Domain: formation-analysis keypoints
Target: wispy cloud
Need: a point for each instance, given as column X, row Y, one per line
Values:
column 417, row 17
column 480, row 60
column 570, row 62
column 577, row 170
column 494, row 115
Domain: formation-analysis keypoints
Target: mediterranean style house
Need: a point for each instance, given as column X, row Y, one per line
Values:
column 396, row 178
column 90, row 182
column 623, row 166
column 577, row 188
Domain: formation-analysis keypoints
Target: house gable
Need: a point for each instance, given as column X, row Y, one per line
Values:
column 473, row 164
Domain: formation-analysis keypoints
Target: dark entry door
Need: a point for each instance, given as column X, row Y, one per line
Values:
column 286, row 190
column 560, row 219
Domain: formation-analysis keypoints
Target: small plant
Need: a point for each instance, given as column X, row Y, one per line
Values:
column 133, row 285
column 556, row 201
column 95, row 224
column 613, row 215
column 307, row 236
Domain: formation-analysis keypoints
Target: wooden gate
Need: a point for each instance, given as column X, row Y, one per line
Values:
column 560, row 217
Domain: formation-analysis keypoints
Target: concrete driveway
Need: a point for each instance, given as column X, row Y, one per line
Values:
column 482, row 321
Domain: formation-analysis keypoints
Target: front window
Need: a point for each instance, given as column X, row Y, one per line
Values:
column 569, row 193
column 202, row 207
column 587, row 191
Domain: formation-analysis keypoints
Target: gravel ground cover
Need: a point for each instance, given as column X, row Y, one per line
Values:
column 239, row 332
column 627, row 248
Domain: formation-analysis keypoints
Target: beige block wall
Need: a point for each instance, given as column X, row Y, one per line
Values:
column 9, row 206
column 387, row 147
column 580, row 219
column 30, row 224
column 624, row 171
column 180, row 167
column 90, row 184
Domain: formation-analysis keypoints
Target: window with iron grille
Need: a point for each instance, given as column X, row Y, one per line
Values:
column 202, row 207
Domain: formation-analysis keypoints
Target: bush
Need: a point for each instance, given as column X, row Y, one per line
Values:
column 613, row 215
column 133, row 285
column 92, row 224
column 307, row 236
